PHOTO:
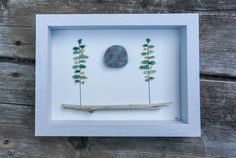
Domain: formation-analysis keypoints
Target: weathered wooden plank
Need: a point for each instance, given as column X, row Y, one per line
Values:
column 17, row 83
column 219, row 138
column 17, row 50
column 16, row 121
column 218, row 101
column 216, row 141
column 17, row 87
column 218, row 133
column 217, row 45
column 17, row 42
column 36, row 148
column 217, row 57
column 17, row 130
column 207, row 146
column 17, row 136
column 22, row 12
column 144, row 147
column 12, row 35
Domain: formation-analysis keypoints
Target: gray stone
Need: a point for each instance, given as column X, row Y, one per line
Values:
column 116, row 56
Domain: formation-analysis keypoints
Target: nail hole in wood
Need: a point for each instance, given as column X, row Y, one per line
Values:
column 18, row 43
column 15, row 74
column 6, row 141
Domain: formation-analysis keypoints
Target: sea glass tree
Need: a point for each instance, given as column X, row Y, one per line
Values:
column 79, row 66
column 147, row 65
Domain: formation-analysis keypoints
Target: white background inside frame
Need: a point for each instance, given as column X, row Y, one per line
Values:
column 110, row 86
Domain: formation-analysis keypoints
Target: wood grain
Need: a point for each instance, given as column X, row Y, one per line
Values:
column 217, row 57
column 36, row 148
column 17, row 42
column 216, row 141
column 22, row 12
column 16, row 121
column 93, row 108
column 218, row 101
column 218, row 82
column 17, row 124
column 217, row 45
column 17, row 82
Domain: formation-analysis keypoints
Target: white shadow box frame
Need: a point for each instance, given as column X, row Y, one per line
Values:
column 188, row 124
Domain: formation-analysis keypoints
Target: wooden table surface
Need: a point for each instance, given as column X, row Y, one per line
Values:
column 17, row 81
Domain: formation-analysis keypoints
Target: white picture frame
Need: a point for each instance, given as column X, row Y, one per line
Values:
column 189, row 123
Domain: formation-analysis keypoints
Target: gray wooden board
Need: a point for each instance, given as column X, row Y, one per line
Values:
column 218, row 82
column 217, row 57
column 17, row 126
column 17, row 83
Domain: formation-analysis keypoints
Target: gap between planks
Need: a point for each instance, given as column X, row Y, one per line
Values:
column 92, row 108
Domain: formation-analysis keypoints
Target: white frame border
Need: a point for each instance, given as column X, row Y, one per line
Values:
column 189, row 126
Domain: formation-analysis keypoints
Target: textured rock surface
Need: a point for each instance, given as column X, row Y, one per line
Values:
column 116, row 56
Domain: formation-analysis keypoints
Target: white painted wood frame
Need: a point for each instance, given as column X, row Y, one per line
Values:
column 187, row 126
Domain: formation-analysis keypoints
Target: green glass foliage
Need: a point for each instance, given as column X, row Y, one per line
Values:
column 148, row 62
column 79, row 63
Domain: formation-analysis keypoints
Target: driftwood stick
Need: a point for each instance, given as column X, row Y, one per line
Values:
column 92, row 108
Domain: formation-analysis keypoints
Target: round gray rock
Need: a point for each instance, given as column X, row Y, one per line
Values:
column 116, row 56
